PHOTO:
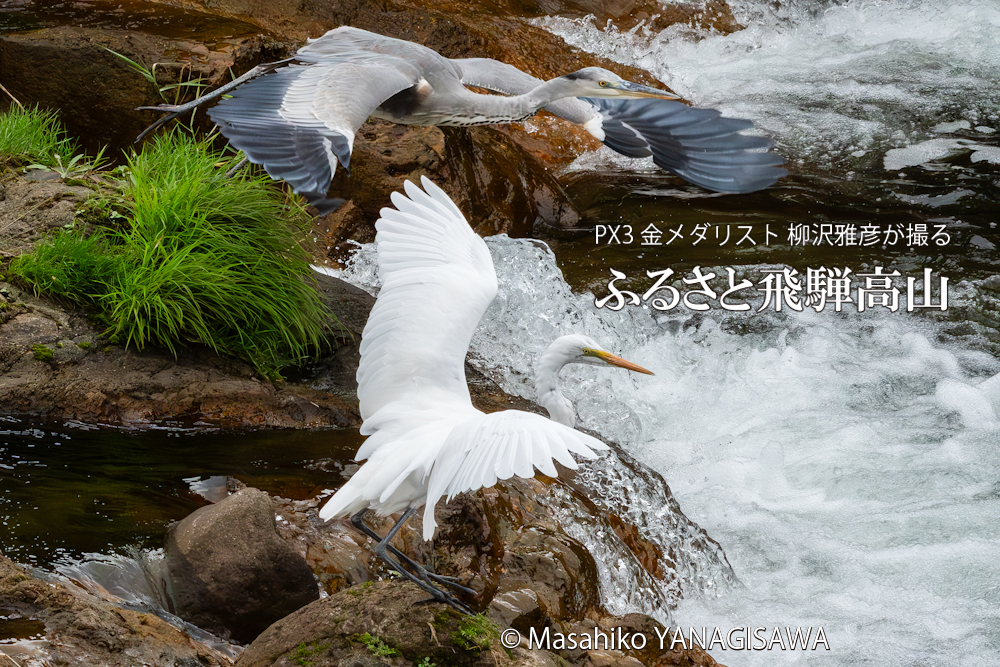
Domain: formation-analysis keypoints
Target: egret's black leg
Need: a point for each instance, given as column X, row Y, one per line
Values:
column 176, row 110
column 383, row 546
column 358, row 521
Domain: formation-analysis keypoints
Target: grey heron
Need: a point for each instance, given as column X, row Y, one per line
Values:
column 425, row 439
column 298, row 117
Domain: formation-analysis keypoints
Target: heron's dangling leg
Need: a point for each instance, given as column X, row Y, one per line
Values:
column 383, row 546
column 239, row 165
column 176, row 110
column 358, row 521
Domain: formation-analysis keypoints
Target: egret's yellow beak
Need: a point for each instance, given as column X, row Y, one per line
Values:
column 612, row 360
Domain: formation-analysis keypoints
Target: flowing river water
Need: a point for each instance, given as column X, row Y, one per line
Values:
column 846, row 462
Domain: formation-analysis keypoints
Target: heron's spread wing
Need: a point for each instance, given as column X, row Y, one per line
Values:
column 300, row 120
column 696, row 144
column 437, row 281
column 485, row 448
column 699, row 145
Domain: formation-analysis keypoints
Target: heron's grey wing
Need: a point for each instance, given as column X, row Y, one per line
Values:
column 696, row 144
column 485, row 448
column 699, row 145
column 299, row 121
column 437, row 281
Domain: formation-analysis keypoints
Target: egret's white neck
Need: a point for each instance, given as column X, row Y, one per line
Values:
column 547, row 384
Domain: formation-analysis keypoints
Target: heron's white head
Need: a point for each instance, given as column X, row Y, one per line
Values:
column 599, row 82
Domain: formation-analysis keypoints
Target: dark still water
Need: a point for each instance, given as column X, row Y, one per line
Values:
column 67, row 489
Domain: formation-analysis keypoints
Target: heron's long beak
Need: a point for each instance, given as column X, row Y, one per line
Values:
column 629, row 89
column 612, row 360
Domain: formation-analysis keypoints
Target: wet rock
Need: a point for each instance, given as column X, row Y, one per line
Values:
column 229, row 571
column 67, row 67
column 82, row 631
column 30, row 210
column 383, row 623
column 391, row 623
column 94, row 381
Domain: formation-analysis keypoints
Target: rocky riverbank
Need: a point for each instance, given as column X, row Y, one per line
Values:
column 533, row 550
column 520, row 545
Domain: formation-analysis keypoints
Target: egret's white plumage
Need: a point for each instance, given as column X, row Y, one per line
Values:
column 425, row 439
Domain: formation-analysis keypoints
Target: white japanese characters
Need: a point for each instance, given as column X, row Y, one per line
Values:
column 781, row 288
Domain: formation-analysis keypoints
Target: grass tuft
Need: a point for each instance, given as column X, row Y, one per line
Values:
column 70, row 265
column 34, row 135
column 203, row 258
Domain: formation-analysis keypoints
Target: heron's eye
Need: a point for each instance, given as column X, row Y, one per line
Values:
column 602, row 84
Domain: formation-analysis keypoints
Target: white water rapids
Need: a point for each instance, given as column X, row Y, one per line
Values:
column 833, row 82
column 847, row 464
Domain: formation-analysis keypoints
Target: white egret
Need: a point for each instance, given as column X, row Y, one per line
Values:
column 298, row 117
column 425, row 439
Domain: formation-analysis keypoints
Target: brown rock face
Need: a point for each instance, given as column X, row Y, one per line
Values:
column 229, row 571
column 68, row 68
column 82, row 631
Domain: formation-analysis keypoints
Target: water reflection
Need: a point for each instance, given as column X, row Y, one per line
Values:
column 67, row 489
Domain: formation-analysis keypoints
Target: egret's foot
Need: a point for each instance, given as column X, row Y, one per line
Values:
column 426, row 575
column 425, row 578
column 436, row 593
column 429, row 577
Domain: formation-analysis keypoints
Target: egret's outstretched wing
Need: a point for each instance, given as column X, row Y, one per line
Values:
column 699, row 145
column 485, row 448
column 437, row 281
column 299, row 121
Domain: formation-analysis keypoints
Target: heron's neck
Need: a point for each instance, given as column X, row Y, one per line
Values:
column 547, row 385
column 471, row 108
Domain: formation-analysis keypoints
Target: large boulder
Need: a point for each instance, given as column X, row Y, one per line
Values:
column 228, row 570
column 391, row 623
column 384, row 623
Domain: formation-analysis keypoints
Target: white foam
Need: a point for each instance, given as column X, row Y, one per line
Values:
column 989, row 154
column 827, row 80
column 921, row 153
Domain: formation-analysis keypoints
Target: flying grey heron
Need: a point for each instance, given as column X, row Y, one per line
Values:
column 425, row 439
column 298, row 117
